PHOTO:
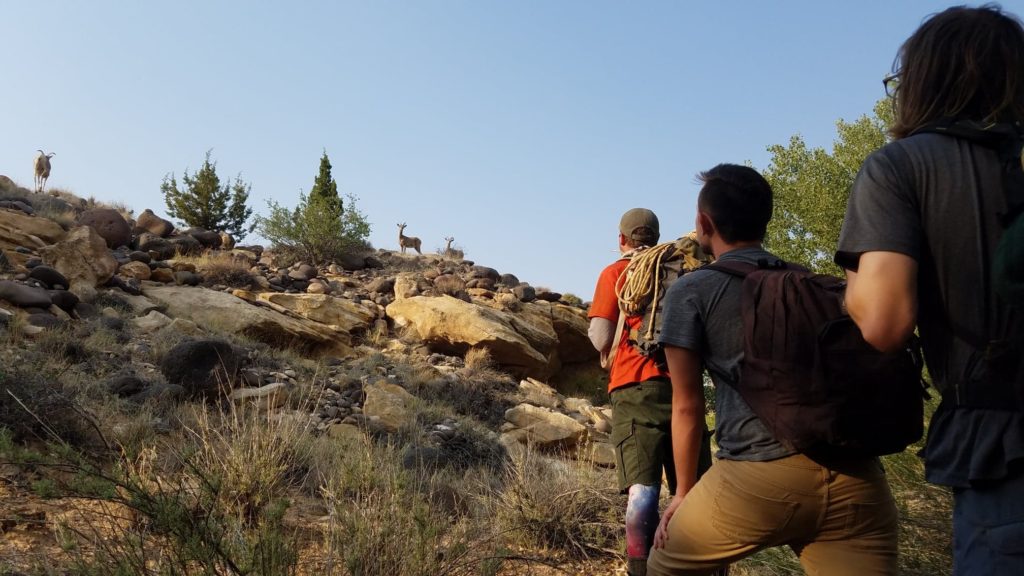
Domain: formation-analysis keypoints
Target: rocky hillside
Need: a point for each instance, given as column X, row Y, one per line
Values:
column 446, row 361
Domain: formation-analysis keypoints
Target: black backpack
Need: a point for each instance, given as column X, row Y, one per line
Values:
column 810, row 376
column 1002, row 355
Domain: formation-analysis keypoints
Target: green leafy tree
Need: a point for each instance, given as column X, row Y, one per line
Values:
column 326, row 188
column 203, row 203
column 811, row 187
column 313, row 231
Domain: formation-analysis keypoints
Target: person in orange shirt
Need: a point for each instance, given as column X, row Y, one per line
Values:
column 641, row 397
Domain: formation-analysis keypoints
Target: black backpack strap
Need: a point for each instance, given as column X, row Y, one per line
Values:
column 740, row 268
column 1007, row 140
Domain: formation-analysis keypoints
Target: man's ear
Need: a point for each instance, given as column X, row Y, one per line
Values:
column 622, row 239
column 705, row 225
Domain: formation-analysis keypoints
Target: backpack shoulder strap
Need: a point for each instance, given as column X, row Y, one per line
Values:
column 1006, row 139
column 740, row 268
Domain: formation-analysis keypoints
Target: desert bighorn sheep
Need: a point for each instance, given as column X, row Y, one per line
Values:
column 42, row 169
column 407, row 241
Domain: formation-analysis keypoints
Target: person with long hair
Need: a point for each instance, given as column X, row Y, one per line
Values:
column 924, row 219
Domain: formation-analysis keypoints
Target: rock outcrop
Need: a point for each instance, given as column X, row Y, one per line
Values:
column 232, row 314
column 447, row 324
column 83, row 258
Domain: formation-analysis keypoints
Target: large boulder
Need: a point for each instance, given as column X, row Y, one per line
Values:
column 205, row 368
column 150, row 222
column 20, row 229
column 109, row 224
column 230, row 313
column 83, row 258
column 450, row 325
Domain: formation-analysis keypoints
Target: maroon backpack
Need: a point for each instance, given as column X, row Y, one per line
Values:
column 810, row 376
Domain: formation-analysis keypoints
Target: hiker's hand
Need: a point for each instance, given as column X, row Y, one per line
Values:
column 661, row 535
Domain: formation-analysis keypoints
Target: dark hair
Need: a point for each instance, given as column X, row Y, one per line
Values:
column 739, row 201
column 963, row 63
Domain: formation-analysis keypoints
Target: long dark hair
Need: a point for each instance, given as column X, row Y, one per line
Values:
column 964, row 63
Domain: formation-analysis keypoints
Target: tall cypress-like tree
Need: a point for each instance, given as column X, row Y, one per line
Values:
column 326, row 189
column 203, row 203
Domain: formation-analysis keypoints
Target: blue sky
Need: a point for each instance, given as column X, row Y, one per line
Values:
column 522, row 128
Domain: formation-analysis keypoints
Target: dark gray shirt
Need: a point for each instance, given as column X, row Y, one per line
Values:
column 702, row 314
column 936, row 199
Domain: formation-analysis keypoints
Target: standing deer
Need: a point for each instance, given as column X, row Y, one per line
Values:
column 407, row 241
column 450, row 252
column 42, row 169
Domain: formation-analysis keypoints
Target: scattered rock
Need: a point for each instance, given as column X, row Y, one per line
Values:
column 135, row 269
column 151, row 322
column 545, row 428
column 24, row 296
column 266, row 398
column 48, row 276
column 388, row 404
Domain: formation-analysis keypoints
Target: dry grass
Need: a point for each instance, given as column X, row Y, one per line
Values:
column 449, row 284
column 563, row 507
column 218, row 267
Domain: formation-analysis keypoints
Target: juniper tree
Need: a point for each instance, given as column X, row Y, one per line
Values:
column 325, row 188
column 317, row 229
column 203, row 203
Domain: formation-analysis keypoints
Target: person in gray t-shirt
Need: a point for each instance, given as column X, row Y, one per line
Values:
column 921, row 228
column 702, row 313
column 840, row 520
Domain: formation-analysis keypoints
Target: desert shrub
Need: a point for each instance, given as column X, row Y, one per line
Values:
column 32, row 405
column 378, row 335
column 221, row 268
column 586, row 380
column 565, row 506
column 314, row 231
column 383, row 521
column 111, row 299
column 66, row 217
column 572, row 300
column 473, row 446
column 449, row 284
column 483, row 399
column 62, row 345
column 216, row 509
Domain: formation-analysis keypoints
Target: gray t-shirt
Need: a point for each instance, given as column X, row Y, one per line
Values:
column 936, row 199
column 702, row 314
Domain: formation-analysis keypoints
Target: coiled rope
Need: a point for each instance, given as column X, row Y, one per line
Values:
column 635, row 289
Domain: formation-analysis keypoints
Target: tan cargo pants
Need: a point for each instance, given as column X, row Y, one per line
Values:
column 840, row 521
